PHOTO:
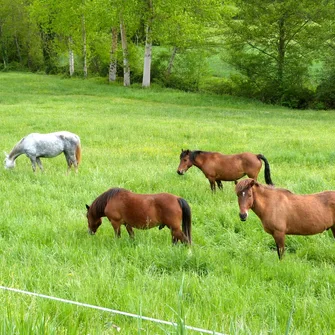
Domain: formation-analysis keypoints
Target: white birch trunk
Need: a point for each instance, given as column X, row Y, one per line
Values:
column 148, row 47
column 113, row 58
column 126, row 67
column 147, row 59
column 71, row 58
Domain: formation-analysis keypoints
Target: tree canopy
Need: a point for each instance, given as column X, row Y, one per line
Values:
column 273, row 46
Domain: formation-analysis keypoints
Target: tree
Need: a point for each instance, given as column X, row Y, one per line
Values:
column 148, row 44
column 19, row 39
column 180, row 26
column 273, row 43
column 126, row 67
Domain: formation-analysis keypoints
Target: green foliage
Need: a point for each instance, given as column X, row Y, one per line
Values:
column 270, row 43
column 229, row 280
column 268, row 47
column 189, row 69
column 325, row 93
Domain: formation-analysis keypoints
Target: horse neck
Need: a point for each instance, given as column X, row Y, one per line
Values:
column 97, row 211
column 16, row 151
column 260, row 194
column 197, row 160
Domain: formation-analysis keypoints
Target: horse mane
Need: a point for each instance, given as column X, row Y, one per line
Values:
column 192, row 154
column 99, row 204
column 244, row 184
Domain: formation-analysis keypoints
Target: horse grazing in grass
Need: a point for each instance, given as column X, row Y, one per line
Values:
column 217, row 167
column 284, row 213
column 37, row 145
column 142, row 211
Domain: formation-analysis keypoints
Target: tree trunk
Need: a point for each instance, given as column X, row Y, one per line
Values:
column 147, row 58
column 173, row 56
column 3, row 50
column 148, row 46
column 84, row 46
column 113, row 57
column 71, row 58
column 18, row 49
column 47, row 41
column 281, row 52
column 126, row 67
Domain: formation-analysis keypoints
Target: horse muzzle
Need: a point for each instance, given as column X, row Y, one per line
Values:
column 180, row 172
column 91, row 232
column 243, row 216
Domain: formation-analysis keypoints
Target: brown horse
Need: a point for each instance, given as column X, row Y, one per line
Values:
column 284, row 213
column 142, row 211
column 217, row 167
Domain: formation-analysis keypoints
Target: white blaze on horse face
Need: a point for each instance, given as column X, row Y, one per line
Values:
column 243, row 204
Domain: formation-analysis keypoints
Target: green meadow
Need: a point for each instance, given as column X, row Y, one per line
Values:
column 229, row 281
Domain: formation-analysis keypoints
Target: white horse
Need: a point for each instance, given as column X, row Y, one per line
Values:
column 37, row 145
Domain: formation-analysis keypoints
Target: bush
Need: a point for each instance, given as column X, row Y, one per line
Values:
column 325, row 93
column 297, row 98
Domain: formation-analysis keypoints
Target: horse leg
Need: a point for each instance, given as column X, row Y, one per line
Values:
column 177, row 234
column 70, row 159
column 117, row 228
column 33, row 162
column 212, row 184
column 130, row 231
column 279, row 238
column 69, row 164
column 219, row 184
column 39, row 163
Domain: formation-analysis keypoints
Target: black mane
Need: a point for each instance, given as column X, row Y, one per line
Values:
column 192, row 154
column 99, row 204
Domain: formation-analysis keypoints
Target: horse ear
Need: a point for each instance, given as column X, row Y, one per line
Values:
column 87, row 207
column 252, row 183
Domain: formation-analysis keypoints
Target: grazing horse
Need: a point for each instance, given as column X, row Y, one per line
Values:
column 142, row 211
column 217, row 167
column 285, row 213
column 37, row 145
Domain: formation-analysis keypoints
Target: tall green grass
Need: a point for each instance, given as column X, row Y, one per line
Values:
column 230, row 280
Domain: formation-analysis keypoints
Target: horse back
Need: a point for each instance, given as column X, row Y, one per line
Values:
column 143, row 210
column 309, row 214
column 230, row 167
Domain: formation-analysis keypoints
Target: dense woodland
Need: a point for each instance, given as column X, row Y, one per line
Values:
column 277, row 51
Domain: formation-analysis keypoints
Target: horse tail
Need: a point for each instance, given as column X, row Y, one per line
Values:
column 186, row 218
column 78, row 152
column 267, row 174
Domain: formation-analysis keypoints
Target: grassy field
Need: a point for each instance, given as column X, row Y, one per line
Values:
column 229, row 281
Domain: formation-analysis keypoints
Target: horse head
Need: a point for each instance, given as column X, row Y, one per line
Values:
column 93, row 223
column 185, row 162
column 9, row 163
column 245, row 196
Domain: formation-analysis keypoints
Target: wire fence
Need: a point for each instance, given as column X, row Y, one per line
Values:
column 104, row 309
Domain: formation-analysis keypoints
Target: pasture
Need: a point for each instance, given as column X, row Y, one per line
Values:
column 230, row 280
